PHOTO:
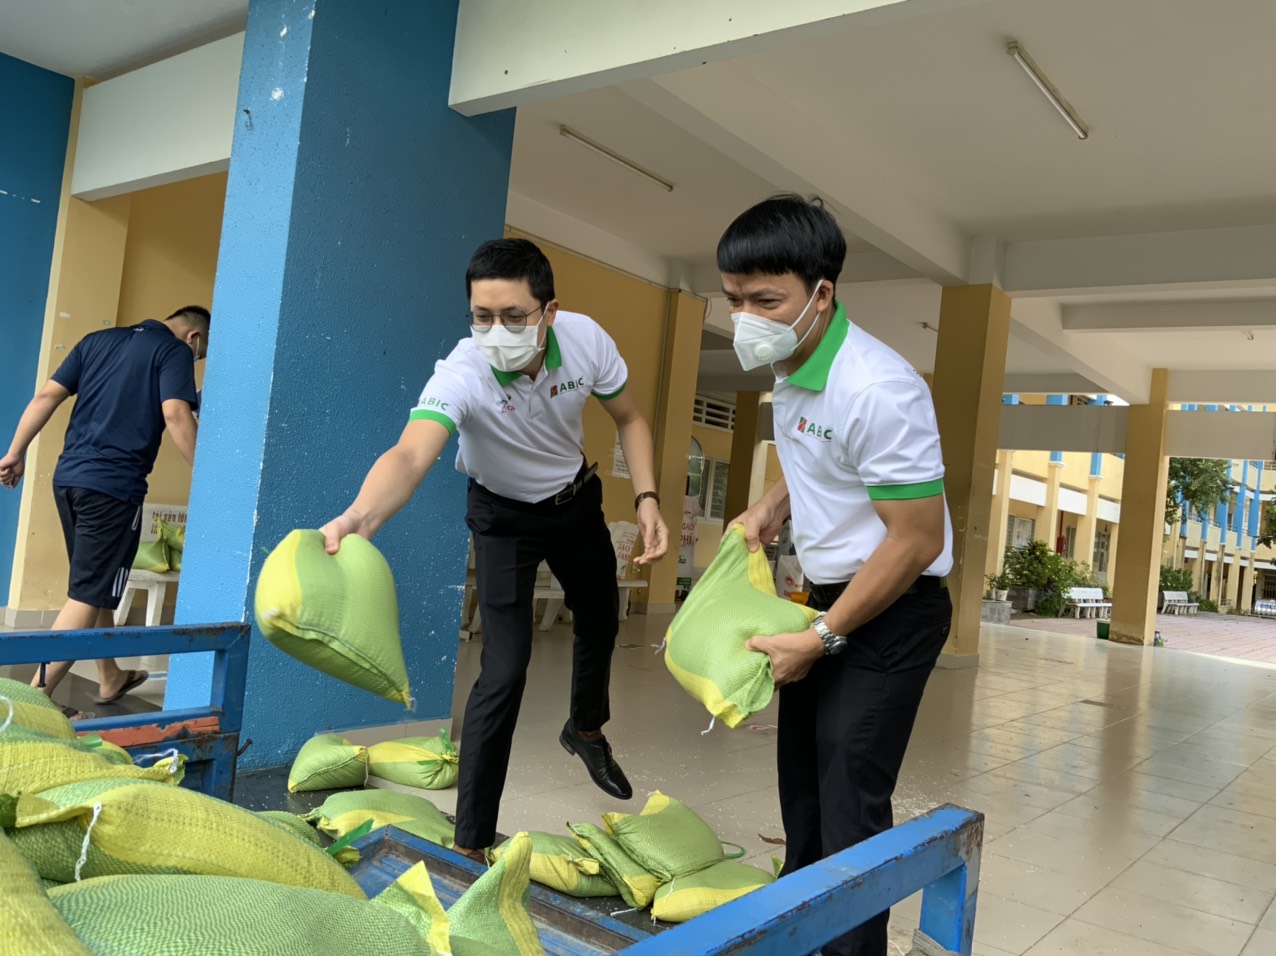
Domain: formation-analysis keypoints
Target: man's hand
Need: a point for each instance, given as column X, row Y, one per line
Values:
column 11, row 468
column 792, row 655
column 349, row 523
column 655, row 535
column 761, row 524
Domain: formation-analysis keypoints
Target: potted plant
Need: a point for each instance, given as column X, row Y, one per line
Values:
column 1000, row 585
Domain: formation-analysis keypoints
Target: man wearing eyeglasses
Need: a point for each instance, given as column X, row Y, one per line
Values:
column 515, row 392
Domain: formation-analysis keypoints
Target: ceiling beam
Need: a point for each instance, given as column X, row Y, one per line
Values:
column 1197, row 258
column 1179, row 316
column 1223, row 387
column 511, row 54
column 870, row 266
column 731, row 110
column 1038, row 322
column 1049, row 383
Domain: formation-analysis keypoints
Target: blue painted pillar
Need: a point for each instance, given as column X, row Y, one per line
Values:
column 1056, row 457
column 1010, row 399
column 355, row 199
column 1256, row 503
column 1221, row 512
column 35, row 119
column 1242, row 502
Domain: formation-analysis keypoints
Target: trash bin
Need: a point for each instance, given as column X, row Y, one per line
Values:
column 1102, row 628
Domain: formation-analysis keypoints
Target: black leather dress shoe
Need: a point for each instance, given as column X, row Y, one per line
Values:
column 596, row 755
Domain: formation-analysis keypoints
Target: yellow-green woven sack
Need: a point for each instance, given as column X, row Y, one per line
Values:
column 668, row 838
column 29, row 923
column 328, row 762
column 734, row 601
column 174, row 538
column 335, row 612
column 432, row 763
column 228, row 916
column 112, row 752
column 412, row 895
column 144, row 828
column 31, row 762
column 153, row 556
column 636, row 885
column 343, row 812
column 560, row 863
column 492, row 917
column 689, row 896
column 33, row 710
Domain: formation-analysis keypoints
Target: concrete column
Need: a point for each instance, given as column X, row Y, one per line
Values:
column 1142, row 518
column 1000, row 513
column 1048, row 531
column 1246, row 597
column 684, row 323
column 744, row 443
column 1232, row 594
column 354, row 201
column 970, row 369
column 1088, row 526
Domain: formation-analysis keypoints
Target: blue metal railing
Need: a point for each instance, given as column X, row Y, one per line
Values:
column 207, row 736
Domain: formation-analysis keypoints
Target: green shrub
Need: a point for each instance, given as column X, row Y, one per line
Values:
column 1206, row 605
column 1175, row 579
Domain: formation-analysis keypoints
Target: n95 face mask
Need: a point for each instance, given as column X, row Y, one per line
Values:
column 760, row 341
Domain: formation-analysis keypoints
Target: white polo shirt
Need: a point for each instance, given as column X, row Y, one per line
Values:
column 520, row 438
column 854, row 424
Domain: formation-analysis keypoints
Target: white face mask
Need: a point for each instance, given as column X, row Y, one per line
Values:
column 760, row 341
column 507, row 350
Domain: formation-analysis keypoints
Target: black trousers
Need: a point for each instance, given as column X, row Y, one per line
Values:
column 511, row 539
column 842, row 735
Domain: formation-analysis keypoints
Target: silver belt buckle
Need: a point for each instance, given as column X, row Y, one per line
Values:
column 566, row 494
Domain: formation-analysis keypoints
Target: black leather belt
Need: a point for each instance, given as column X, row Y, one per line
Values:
column 570, row 492
column 829, row 593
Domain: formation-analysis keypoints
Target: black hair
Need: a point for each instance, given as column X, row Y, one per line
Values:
column 784, row 234
column 195, row 315
column 512, row 259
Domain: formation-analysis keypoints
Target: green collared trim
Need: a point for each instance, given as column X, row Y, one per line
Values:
column 421, row 414
column 607, row 398
column 926, row 489
column 553, row 359
column 814, row 373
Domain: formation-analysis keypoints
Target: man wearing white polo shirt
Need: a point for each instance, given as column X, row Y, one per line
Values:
column 863, row 482
column 515, row 392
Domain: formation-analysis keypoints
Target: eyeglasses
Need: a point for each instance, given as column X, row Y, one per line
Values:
column 514, row 320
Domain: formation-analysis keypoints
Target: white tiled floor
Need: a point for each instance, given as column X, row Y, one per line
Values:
column 1130, row 793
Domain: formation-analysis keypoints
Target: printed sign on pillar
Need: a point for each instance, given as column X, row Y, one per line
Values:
column 687, row 544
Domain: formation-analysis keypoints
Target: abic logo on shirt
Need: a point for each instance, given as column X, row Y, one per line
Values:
column 568, row 386
column 820, row 432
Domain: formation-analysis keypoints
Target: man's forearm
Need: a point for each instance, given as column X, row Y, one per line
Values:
column 390, row 484
column 37, row 414
column 636, row 443
column 778, row 498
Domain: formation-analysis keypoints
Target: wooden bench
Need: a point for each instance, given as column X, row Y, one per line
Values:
column 1178, row 602
column 1087, row 602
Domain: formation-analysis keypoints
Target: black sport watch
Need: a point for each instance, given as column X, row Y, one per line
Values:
column 833, row 643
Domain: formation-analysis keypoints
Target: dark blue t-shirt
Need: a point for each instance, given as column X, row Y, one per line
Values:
column 121, row 379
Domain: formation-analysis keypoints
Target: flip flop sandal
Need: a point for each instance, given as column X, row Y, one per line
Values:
column 135, row 680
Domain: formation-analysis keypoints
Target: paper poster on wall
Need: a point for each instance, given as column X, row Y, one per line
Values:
column 687, row 543
column 619, row 467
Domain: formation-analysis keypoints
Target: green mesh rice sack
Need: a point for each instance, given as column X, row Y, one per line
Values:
column 560, row 863
column 296, row 825
column 492, row 917
column 33, row 710
column 29, row 923
column 229, row 916
column 32, row 762
column 335, row 612
column 637, row 886
column 112, row 752
column 343, row 812
column 153, row 556
column 689, row 896
column 431, row 763
column 734, row 601
column 412, row 895
column 668, row 838
column 328, row 762
column 142, row 827
column 174, row 538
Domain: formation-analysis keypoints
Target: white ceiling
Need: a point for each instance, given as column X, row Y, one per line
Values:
column 103, row 38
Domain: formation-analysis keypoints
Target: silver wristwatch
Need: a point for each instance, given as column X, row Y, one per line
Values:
column 833, row 643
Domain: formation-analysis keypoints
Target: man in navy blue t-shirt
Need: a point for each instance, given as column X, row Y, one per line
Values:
column 130, row 385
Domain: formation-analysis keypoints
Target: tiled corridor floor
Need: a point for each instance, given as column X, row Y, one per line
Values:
column 1130, row 794
column 1222, row 635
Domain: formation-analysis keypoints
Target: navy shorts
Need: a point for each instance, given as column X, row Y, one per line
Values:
column 102, row 535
